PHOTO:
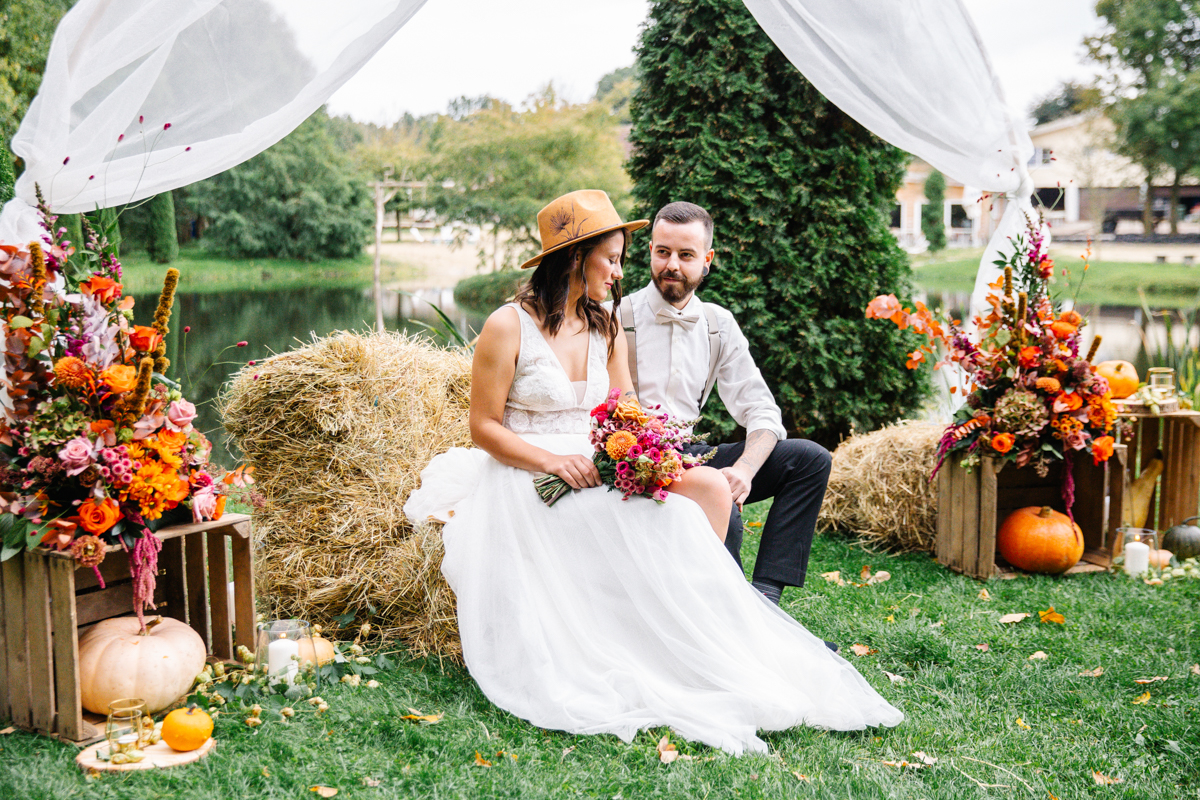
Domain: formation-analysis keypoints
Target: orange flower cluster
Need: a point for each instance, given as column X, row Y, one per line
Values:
column 156, row 488
column 618, row 444
column 630, row 411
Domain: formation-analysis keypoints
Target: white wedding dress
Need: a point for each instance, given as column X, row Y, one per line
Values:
column 597, row 615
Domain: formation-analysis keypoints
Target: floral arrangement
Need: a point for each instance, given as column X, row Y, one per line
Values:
column 1032, row 397
column 98, row 447
column 637, row 453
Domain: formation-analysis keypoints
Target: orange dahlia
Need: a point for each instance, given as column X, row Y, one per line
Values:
column 72, row 373
column 1049, row 385
column 618, row 444
column 156, row 488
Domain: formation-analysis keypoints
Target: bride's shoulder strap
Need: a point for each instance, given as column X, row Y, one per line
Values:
column 626, row 321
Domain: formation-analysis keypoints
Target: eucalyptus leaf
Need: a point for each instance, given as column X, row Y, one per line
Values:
column 19, row 321
column 36, row 345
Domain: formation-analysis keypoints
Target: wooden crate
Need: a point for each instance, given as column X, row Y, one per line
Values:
column 45, row 604
column 973, row 505
column 1178, row 436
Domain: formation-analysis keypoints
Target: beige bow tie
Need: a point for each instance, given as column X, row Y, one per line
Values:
column 669, row 315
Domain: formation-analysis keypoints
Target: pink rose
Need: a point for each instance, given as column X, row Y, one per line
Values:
column 76, row 456
column 180, row 415
column 147, row 425
column 204, row 504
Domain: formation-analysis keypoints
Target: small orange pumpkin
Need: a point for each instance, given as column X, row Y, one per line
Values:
column 1040, row 540
column 186, row 729
column 1122, row 377
column 317, row 648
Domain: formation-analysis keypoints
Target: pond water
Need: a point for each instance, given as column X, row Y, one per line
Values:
column 277, row 321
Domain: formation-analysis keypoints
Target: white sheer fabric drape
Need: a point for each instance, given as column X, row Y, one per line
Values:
column 914, row 73
column 230, row 77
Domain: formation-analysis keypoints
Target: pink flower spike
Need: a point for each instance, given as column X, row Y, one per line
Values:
column 141, row 119
column 167, row 126
column 242, row 344
column 187, row 328
column 65, row 160
column 91, row 177
column 255, row 377
column 187, row 149
column 120, row 137
column 251, row 363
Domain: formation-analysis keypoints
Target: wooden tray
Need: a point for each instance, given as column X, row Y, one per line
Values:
column 158, row 756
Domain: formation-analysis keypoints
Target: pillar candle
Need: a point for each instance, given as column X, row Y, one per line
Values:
column 1137, row 558
column 279, row 658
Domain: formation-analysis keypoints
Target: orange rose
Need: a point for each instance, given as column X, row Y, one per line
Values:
column 1029, row 357
column 1062, row 330
column 145, row 338
column 103, row 289
column 1003, row 442
column 119, row 377
column 1071, row 318
column 172, row 440
column 96, row 517
column 1102, row 448
column 1067, row 402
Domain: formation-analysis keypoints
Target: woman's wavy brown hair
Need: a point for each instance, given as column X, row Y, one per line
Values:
column 546, row 292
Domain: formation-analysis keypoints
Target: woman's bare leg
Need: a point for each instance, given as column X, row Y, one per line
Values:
column 708, row 488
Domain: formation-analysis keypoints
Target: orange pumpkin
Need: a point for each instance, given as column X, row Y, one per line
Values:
column 1122, row 377
column 1040, row 540
column 186, row 729
column 317, row 648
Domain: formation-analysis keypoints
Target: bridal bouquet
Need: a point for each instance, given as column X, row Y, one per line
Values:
column 637, row 453
column 1032, row 396
column 98, row 447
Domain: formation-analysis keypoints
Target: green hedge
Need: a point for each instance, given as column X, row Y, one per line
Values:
column 485, row 293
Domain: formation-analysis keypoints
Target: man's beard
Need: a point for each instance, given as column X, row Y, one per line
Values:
column 675, row 292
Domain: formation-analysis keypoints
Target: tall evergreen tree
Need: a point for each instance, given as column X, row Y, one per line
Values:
column 800, row 195
column 933, row 213
column 7, row 179
column 163, row 242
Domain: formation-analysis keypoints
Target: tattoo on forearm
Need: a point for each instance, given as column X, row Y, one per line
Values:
column 759, row 445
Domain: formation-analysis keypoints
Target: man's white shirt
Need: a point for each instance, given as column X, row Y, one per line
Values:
column 673, row 363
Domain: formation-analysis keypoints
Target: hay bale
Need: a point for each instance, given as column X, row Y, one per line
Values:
column 879, row 488
column 338, row 432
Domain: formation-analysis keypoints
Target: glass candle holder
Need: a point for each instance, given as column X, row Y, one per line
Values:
column 1138, row 544
column 123, row 726
column 1162, row 383
column 277, row 648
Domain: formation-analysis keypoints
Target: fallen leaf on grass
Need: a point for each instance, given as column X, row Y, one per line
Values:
column 834, row 577
column 8, row 730
column 983, row 648
column 1021, row 724
column 894, row 678
column 890, row 618
column 567, row 751
column 1142, row 699
column 323, row 791
column 865, row 573
column 879, row 577
column 667, row 752
column 800, row 777
column 1016, row 617
column 424, row 719
column 265, row 773
column 753, row 524
column 1050, row 615
column 903, row 763
column 938, row 624
column 1155, row 679
column 1104, row 780
column 862, row 650
column 370, row 783
column 925, row 758
column 983, row 595
column 480, row 761
column 1040, row 655
column 1092, row 673
column 1196, row 669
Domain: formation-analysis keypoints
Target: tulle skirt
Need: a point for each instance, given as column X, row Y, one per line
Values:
column 598, row 615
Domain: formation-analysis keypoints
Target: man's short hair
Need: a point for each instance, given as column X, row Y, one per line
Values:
column 681, row 213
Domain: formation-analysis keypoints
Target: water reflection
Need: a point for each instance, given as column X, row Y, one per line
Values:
column 274, row 322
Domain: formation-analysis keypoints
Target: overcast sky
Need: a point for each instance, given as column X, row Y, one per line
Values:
column 509, row 50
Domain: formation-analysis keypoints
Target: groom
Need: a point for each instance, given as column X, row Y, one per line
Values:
column 679, row 350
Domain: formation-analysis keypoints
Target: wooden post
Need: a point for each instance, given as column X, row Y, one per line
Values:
column 379, row 203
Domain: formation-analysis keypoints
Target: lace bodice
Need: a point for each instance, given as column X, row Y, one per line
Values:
column 542, row 399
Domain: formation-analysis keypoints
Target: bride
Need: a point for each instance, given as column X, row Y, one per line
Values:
column 597, row 615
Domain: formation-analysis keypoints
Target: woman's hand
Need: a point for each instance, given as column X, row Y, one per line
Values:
column 578, row 471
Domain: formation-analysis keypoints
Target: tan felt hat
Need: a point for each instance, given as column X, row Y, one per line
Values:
column 577, row 216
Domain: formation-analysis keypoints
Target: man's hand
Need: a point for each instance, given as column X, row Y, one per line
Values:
column 739, row 478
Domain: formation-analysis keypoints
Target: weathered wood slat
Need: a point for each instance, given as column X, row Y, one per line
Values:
column 957, row 522
column 172, row 575
column 944, row 528
column 114, row 569
column 18, row 641
column 5, row 710
column 243, row 592
column 218, row 595
column 115, row 601
column 970, row 502
column 985, row 558
column 69, row 715
column 197, row 585
column 41, row 655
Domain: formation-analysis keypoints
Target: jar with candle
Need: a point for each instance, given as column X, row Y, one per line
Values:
column 1162, row 383
column 277, row 648
column 123, row 731
column 1137, row 546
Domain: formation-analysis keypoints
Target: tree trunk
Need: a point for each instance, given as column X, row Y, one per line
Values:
column 1173, row 211
column 1148, row 206
column 397, row 224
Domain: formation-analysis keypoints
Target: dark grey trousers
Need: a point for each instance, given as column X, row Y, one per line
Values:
column 795, row 474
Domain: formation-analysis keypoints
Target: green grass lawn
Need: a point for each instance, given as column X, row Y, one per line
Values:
column 204, row 271
column 962, row 706
column 1107, row 282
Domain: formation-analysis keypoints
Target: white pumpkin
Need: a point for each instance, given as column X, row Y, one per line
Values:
column 115, row 662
